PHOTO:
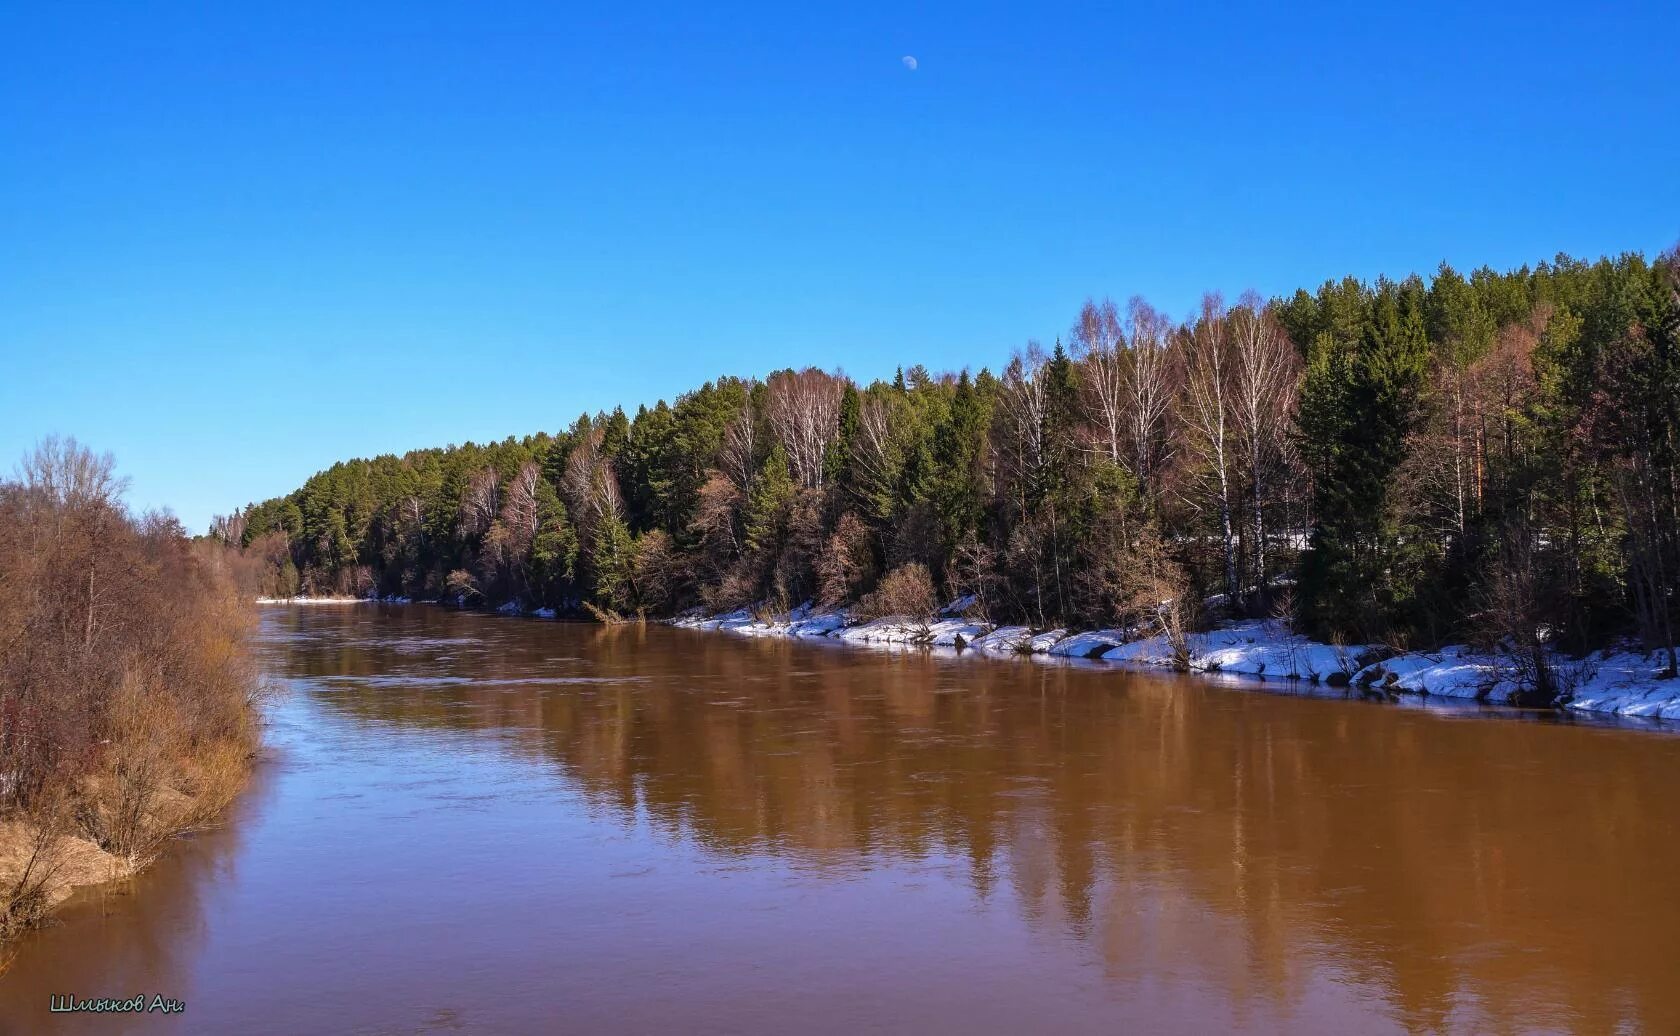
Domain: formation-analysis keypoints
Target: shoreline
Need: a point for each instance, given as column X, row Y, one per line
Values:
column 67, row 863
column 1620, row 683
column 1611, row 682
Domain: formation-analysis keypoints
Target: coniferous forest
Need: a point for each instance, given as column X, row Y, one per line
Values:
column 1490, row 458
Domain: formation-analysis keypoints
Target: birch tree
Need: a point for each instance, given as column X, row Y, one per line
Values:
column 1210, row 391
column 803, row 410
column 1150, row 378
column 1100, row 346
column 1267, row 380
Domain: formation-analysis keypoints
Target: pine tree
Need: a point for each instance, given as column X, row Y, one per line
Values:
column 1358, row 404
column 554, row 550
column 773, row 492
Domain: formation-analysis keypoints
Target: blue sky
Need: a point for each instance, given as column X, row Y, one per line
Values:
column 241, row 241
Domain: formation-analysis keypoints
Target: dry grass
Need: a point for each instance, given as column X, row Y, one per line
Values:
column 608, row 617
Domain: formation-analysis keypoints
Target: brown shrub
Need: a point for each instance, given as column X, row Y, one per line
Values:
column 907, row 591
column 846, row 563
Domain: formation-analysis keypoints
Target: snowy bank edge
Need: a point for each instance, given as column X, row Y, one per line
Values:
column 1623, row 683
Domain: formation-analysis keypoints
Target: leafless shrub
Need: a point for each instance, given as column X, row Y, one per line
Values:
column 735, row 590
column 1157, row 595
column 38, row 856
column 905, row 591
column 1509, row 612
column 973, row 573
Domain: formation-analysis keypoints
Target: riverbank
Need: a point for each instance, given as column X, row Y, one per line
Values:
column 1623, row 682
column 1614, row 682
column 111, row 828
column 128, row 691
column 326, row 600
column 42, row 869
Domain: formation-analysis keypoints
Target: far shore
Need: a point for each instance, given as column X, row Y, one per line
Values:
column 1619, row 681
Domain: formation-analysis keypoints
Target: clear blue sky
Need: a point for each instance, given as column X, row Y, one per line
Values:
column 240, row 241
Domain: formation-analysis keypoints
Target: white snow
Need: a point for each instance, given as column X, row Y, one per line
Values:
column 1628, row 683
column 316, row 600
column 957, row 632
column 1257, row 648
column 1007, row 640
column 891, row 630
column 1452, row 672
column 1091, row 644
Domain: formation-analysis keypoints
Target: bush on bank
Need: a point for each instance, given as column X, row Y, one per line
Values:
column 127, row 688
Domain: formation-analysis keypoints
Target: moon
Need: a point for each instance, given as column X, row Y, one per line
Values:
column 909, row 62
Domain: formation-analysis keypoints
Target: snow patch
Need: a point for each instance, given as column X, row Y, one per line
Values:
column 1452, row 672
column 1628, row 683
column 1264, row 648
column 1091, row 644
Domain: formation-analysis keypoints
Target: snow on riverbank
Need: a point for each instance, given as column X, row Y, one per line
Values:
column 1261, row 648
column 1623, row 683
column 1626, row 683
column 317, row 600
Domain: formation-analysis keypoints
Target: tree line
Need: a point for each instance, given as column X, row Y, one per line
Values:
column 1488, row 457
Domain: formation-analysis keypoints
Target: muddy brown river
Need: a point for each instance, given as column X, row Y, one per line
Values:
column 473, row 824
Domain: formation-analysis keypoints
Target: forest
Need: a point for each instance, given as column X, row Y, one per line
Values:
column 1488, row 458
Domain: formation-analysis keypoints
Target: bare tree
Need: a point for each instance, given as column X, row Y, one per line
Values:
column 411, row 517
column 1210, row 390
column 716, row 519
column 228, row 529
column 577, row 483
column 68, row 475
column 876, row 456
column 1267, row 381
column 1151, row 375
column 519, row 511
column 123, row 668
column 1100, row 345
column 1511, row 613
column 605, row 499
column 1150, row 592
column 803, row 409
column 1022, row 407
column 480, row 502
column 846, row 563
column 906, row 592
column 739, row 455
column 1020, row 431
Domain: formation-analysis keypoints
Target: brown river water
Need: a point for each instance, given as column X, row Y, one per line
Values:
column 473, row 824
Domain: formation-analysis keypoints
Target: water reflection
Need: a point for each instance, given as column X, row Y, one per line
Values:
column 147, row 929
column 979, row 844
column 1458, row 870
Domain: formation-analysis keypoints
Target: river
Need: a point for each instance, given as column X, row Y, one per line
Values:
column 466, row 823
